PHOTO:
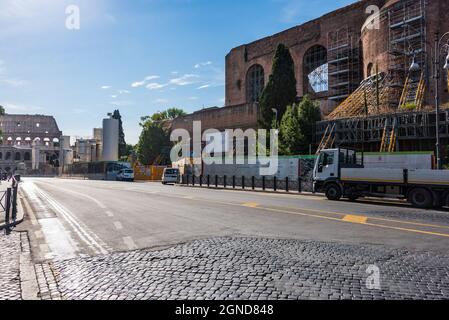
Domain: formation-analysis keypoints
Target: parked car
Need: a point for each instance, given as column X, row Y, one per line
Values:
column 170, row 175
column 125, row 175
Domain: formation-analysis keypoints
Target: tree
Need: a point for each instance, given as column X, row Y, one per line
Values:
column 122, row 142
column 281, row 88
column 297, row 127
column 154, row 142
column 169, row 114
column 309, row 113
column 290, row 136
column 2, row 111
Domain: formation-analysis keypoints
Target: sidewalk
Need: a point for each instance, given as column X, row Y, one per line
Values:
column 17, row 276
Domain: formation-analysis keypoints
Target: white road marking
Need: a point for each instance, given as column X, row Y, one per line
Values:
column 58, row 241
column 118, row 225
column 88, row 237
column 99, row 203
column 130, row 243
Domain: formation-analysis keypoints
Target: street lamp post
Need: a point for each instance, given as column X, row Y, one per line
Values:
column 438, row 41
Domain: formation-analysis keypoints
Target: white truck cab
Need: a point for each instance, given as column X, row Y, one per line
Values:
column 341, row 173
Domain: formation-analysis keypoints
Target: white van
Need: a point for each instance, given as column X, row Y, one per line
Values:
column 171, row 175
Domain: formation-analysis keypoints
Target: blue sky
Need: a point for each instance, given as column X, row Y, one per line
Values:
column 139, row 56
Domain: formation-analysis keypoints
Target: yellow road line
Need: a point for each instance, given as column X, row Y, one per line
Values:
column 355, row 219
column 251, row 205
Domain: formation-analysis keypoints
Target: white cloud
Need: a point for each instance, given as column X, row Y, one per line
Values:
column 114, row 96
column 160, row 101
column 193, row 98
column 151, row 78
column 202, row 64
column 155, row 86
column 184, row 80
column 124, row 92
column 204, row 87
column 106, row 87
column 138, row 84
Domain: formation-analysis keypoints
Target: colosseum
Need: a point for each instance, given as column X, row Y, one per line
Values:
column 369, row 65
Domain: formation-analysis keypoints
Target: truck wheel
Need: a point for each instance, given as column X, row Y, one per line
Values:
column 333, row 192
column 421, row 198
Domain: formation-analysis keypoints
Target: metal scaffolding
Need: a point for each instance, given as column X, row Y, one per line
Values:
column 400, row 131
column 344, row 63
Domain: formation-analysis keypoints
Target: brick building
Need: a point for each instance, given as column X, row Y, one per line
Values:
column 333, row 54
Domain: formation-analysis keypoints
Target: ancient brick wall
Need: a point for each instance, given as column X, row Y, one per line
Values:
column 299, row 39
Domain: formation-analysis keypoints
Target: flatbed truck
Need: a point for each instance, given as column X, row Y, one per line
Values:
column 340, row 173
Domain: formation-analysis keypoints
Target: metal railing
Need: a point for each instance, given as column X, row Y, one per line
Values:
column 8, row 204
column 275, row 184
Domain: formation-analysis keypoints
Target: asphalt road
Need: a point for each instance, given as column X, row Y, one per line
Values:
column 77, row 217
column 116, row 240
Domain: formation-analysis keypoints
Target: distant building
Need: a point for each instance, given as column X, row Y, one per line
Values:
column 89, row 150
column 103, row 146
column 32, row 141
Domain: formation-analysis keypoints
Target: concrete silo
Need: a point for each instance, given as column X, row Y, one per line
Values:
column 110, row 139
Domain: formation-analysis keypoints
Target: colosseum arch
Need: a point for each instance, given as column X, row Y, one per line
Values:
column 27, row 156
column 255, row 83
column 315, row 70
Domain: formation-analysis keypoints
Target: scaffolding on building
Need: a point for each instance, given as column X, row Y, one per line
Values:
column 344, row 63
column 388, row 132
column 382, row 109
column 407, row 34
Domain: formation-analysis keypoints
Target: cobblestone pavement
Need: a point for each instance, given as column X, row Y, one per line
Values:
column 10, row 248
column 249, row 268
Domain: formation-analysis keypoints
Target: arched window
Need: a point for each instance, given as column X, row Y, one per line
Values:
column 8, row 156
column 27, row 156
column 369, row 70
column 1, row 155
column 315, row 70
column 255, row 83
column 18, row 156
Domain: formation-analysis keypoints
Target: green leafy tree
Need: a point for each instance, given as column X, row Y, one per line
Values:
column 280, row 90
column 309, row 113
column 154, row 143
column 122, row 142
column 290, row 136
